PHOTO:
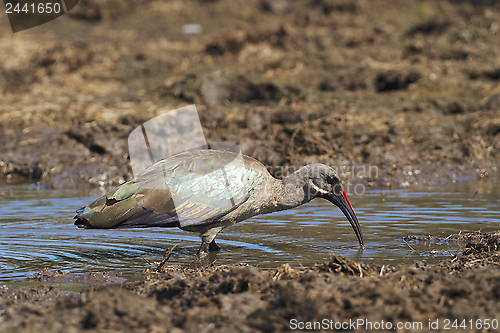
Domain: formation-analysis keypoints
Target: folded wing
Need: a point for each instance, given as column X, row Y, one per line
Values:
column 192, row 188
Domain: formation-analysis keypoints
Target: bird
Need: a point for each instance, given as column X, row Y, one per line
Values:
column 207, row 190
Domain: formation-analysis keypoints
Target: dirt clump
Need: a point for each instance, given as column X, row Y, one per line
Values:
column 391, row 93
column 408, row 88
column 250, row 299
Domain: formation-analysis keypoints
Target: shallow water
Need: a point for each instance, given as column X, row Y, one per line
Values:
column 37, row 231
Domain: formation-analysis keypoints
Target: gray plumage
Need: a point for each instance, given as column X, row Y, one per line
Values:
column 205, row 191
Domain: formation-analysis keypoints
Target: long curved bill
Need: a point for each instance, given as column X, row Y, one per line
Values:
column 345, row 206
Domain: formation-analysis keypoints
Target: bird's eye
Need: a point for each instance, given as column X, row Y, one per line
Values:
column 330, row 179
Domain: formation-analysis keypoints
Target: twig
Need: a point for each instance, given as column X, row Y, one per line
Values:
column 165, row 259
column 360, row 270
column 192, row 261
column 408, row 245
column 382, row 270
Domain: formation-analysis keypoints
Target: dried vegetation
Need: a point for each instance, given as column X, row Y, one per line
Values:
column 243, row 298
column 409, row 87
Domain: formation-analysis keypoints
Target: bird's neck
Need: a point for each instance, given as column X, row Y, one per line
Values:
column 290, row 192
column 276, row 194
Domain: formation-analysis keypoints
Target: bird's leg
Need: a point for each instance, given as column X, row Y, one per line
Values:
column 202, row 252
column 208, row 242
column 213, row 246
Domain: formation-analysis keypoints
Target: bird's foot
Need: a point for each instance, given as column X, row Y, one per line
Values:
column 207, row 245
column 204, row 257
column 201, row 254
column 207, row 253
column 203, row 250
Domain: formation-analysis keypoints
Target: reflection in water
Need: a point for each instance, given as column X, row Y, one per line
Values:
column 37, row 231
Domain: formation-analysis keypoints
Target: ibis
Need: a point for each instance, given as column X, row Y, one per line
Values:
column 205, row 191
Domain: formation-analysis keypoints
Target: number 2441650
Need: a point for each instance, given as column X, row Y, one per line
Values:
column 472, row 324
column 41, row 8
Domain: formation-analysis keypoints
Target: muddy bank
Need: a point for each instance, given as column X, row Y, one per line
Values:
column 244, row 298
column 411, row 88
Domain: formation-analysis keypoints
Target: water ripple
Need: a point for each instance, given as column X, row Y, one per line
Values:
column 37, row 231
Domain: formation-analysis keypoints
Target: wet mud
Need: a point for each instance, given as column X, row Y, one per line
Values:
column 242, row 298
column 409, row 87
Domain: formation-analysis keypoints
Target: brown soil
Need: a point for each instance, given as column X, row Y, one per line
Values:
column 411, row 87
column 244, row 298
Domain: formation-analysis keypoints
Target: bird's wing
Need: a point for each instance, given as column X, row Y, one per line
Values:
column 191, row 188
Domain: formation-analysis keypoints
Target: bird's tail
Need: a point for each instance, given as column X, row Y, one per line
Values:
column 142, row 220
column 81, row 222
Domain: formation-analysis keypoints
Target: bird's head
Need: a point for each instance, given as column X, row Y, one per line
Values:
column 323, row 182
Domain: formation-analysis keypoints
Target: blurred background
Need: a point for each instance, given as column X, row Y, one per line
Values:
column 403, row 93
column 411, row 87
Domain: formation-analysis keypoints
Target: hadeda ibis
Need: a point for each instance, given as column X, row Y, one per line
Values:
column 205, row 191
